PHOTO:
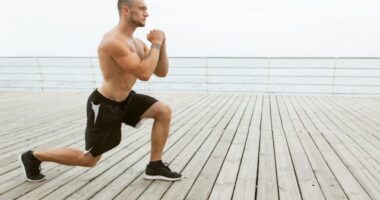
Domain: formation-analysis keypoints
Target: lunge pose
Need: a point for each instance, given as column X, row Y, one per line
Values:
column 123, row 59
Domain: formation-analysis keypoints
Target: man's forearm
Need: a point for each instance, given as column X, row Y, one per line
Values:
column 163, row 62
column 150, row 61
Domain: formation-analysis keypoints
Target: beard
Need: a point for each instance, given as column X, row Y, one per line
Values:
column 138, row 23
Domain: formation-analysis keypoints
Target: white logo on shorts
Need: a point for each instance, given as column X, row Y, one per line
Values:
column 95, row 108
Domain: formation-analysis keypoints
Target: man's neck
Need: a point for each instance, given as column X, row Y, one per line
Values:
column 126, row 28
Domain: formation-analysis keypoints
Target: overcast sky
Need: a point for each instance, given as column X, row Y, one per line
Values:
column 198, row 27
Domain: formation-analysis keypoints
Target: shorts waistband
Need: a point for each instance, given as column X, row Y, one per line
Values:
column 105, row 99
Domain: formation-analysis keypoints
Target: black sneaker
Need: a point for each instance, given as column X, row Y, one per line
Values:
column 31, row 166
column 161, row 172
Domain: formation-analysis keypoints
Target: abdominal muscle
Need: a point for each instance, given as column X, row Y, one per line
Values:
column 117, row 84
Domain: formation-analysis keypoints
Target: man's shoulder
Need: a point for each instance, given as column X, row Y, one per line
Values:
column 112, row 44
column 111, row 41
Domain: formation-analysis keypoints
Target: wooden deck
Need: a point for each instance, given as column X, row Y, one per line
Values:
column 227, row 146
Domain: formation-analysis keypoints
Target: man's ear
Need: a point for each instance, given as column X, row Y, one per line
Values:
column 124, row 9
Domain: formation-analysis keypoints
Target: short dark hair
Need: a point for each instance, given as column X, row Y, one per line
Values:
column 120, row 3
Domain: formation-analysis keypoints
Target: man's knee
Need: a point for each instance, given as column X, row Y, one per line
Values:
column 165, row 112
column 89, row 160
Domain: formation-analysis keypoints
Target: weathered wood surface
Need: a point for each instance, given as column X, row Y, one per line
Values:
column 227, row 146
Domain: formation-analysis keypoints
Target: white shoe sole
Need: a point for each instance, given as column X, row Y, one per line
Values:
column 24, row 170
column 148, row 177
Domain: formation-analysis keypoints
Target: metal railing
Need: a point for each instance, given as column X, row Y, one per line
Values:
column 275, row 75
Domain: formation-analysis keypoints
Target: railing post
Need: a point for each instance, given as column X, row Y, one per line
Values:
column 207, row 79
column 93, row 72
column 40, row 73
column 334, row 71
column 268, row 74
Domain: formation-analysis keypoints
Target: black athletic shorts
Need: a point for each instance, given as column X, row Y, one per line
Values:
column 105, row 116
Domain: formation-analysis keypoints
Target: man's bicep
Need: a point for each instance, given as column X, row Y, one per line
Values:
column 146, row 49
column 126, row 60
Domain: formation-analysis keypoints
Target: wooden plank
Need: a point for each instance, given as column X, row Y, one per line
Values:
column 368, row 104
column 80, row 142
column 47, row 134
column 371, row 103
column 12, row 98
column 366, row 107
column 362, row 147
column 307, row 181
column 45, row 117
column 325, row 177
column 39, row 121
column 143, row 189
column 315, row 127
column 245, row 187
column 50, row 144
column 11, row 162
column 313, row 140
column 350, row 123
column 21, row 116
column 117, row 183
column 360, row 111
column 139, row 151
column 344, row 147
column 134, row 135
column 204, row 183
column 180, row 189
column 13, row 112
column 287, row 180
column 225, row 183
column 16, row 185
column 374, row 99
column 267, row 178
column 11, row 156
column 37, row 130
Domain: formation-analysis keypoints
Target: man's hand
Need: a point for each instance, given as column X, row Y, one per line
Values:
column 156, row 37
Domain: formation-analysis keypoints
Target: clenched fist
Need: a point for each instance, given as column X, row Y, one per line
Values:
column 156, row 36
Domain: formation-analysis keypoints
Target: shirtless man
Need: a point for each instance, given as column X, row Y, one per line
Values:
column 123, row 59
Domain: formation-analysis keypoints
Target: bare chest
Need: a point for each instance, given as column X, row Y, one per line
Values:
column 136, row 48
